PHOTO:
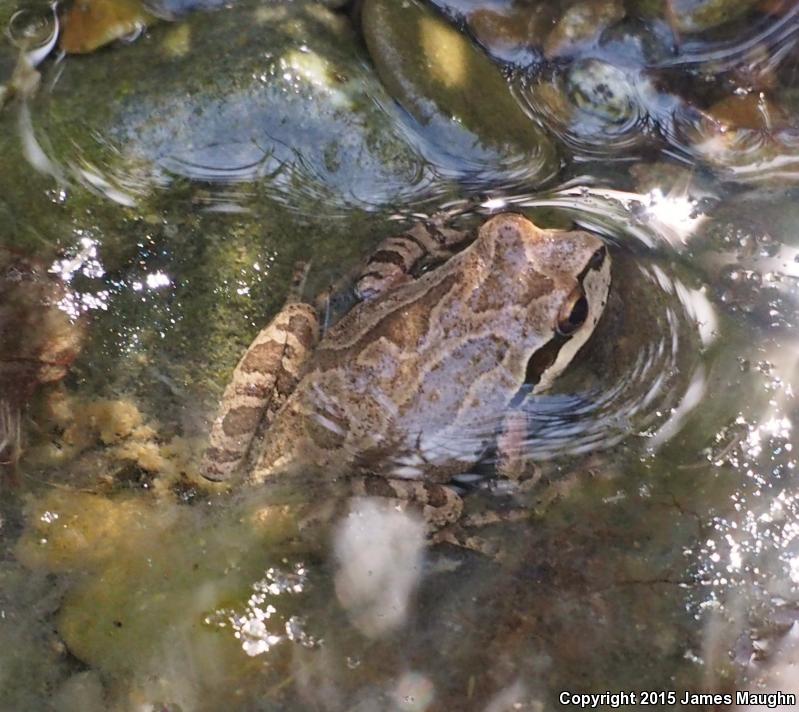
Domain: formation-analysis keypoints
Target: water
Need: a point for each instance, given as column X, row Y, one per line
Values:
column 154, row 198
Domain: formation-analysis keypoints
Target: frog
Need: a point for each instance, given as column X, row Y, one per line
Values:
column 409, row 387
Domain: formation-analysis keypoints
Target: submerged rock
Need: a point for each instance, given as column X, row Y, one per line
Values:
column 157, row 578
column 700, row 15
column 692, row 16
column 598, row 108
column 745, row 139
column 581, row 24
column 508, row 34
column 90, row 24
column 459, row 100
column 603, row 90
column 287, row 108
column 508, row 30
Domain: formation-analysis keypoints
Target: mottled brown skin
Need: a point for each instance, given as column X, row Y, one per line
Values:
column 415, row 382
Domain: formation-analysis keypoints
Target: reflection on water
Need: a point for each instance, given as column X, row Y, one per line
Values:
column 379, row 552
column 155, row 197
column 256, row 626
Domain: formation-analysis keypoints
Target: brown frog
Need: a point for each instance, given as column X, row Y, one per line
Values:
column 409, row 387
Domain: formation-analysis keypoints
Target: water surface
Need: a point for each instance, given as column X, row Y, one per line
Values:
column 155, row 195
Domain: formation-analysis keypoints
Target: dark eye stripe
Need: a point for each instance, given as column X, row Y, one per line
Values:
column 595, row 263
column 542, row 359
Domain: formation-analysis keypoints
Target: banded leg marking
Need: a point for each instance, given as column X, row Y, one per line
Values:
column 397, row 256
column 261, row 382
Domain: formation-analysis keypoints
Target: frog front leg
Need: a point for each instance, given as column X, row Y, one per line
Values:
column 262, row 381
column 513, row 460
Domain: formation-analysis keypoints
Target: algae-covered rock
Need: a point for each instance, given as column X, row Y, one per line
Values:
column 172, row 294
column 273, row 97
column 32, row 660
column 78, row 531
column 458, row 98
column 148, row 580
column 209, row 157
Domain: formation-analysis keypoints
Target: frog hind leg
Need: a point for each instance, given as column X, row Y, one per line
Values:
column 396, row 257
column 392, row 264
column 261, row 382
column 440, row 505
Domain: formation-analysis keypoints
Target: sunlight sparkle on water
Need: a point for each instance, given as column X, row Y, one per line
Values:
column 252, row 625
column 673, row 211
column 83, row 261
column 156, row 280
column 494, row 204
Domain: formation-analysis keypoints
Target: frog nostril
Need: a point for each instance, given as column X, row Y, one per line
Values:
column 598, row 258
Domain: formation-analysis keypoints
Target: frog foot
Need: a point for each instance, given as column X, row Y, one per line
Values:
column 439, row 504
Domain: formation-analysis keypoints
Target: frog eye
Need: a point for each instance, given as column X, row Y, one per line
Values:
column 573, row 313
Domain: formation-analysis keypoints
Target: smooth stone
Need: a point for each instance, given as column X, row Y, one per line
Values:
column 459, row 100
column 507, row 36
column 582, row 24
column 508, row 30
